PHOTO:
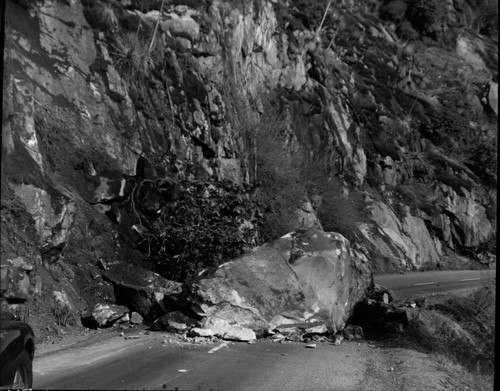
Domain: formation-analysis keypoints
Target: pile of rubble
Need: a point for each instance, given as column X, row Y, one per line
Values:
column 310, row 287
column 303, row 285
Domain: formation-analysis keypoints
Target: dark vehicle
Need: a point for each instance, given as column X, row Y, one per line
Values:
column 17, row 348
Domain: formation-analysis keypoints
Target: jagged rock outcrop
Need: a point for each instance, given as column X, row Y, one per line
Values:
column 89, row 99
column 406, row 241
column 305, row 276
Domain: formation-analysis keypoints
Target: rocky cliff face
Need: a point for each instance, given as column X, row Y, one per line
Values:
column 100, row 96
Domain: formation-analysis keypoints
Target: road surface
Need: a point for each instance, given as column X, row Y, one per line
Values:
column 405, row 286
column 148, row 363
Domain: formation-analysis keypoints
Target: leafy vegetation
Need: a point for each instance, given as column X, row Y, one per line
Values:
column 394, row 10
column 406, row 31
column 132, row 57
column 63, row 315
column 302, row 13
column 431, row 18
column 340, row 207
column 469, row 145
column 288, row 174
column 483, row 160
column 208, row 223
column 428, row 16
column 418, row 196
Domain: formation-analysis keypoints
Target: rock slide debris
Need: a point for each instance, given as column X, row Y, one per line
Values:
column 222, row 345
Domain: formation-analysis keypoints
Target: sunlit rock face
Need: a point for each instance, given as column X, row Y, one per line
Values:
column 81, row 109
column 406, row 240
column 305, row 276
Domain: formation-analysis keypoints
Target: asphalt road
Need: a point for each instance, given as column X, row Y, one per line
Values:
column 405, row 286
column 148, row 363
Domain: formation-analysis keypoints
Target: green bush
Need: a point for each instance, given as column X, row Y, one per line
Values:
column 341, row 209
column 374, row 178
column 394, row 10
column 341, row 212
column 286, row 171
column 207, row 224
column 486, row 12
column 454, row 181
column 131, row 56
column 406, row 31
column 63, row 315
column 270, row 164
column 483, row 162
column 276, row 170
column 418, row 197
column 417, row 165
column 428, row 16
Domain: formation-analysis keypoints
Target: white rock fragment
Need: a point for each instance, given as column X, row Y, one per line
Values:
column 239, row 333
column 338, row 339
column 222, row 345
column 320, row 329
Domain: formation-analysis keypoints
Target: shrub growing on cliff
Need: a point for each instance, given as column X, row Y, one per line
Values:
column 63, row 315
column 394, row 10
column 419, row 196
column 341, row 209
column 483, row 161
column 207, row 224
column 276, row 170
column 270, row 163
column 428, row 16
column 486, row 16
column 406, row 31
column 132, row 57
column 288, row 174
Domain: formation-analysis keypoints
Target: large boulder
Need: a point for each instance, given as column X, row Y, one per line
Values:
column 15, row 284
column 309, row 276
column 104, row 315
column 144, row 291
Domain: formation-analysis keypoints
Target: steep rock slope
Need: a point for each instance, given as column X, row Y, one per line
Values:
column 99, row 97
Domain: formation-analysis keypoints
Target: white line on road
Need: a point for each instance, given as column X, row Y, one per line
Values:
column 471, row 279
column 425, row 283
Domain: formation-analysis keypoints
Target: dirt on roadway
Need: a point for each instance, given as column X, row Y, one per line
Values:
column 108, row 360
